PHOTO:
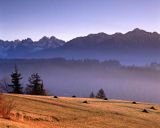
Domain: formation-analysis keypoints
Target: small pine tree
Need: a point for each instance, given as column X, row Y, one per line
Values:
column 101, row 94
column 15, row 80
column 35, row 86
column 92, row 95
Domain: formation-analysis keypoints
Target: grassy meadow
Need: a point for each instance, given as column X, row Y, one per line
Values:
column 66, row 112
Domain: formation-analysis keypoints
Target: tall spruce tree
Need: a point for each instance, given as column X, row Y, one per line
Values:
column 35, row 86
column 15, row 85
column 92, row 95
column 101, row 94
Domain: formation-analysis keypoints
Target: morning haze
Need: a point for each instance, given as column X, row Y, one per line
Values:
column 79, row 64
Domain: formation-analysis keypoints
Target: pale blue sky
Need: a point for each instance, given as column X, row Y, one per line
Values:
column 67, row 19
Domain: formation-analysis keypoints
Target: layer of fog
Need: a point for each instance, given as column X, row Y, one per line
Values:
column 67, row 78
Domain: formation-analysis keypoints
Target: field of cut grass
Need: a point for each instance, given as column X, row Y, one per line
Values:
column 65, row 112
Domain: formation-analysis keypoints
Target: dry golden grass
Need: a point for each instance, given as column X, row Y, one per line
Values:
column 63, row 112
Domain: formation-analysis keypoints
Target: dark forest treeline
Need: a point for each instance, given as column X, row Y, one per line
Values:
column 63, row 61
column 82, row 63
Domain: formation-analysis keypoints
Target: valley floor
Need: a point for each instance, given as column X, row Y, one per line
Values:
column 64, row 112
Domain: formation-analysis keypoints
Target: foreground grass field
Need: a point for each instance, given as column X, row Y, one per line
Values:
column 64, row 112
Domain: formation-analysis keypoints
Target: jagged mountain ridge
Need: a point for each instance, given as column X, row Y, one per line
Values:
column 28, row 46
column 136, row 37
column 133, row 44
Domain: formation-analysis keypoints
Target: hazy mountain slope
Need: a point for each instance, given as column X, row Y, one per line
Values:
column 134, row 47
column 135, row 39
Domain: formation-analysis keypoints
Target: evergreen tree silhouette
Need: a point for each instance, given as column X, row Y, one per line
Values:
column 35, row 86
column 15, row 80
column 101, row 94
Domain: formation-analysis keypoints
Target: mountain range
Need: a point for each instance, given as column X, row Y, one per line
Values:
column 134, row 46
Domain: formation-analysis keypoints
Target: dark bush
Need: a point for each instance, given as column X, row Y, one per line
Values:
column 152, row 108
column 85, row 101
column 55, row 97
column 74, row 96
column 134, row 102
column 144, row 110
column 105, row 98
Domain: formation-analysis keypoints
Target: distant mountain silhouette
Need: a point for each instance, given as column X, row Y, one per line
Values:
column 133, row 39
column 27, row 47
column 136, row 45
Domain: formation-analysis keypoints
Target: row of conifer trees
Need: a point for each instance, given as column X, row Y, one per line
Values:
column 100, row 94
column 34, row 86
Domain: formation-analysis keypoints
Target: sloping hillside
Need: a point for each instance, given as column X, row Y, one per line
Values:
column 64, row 112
